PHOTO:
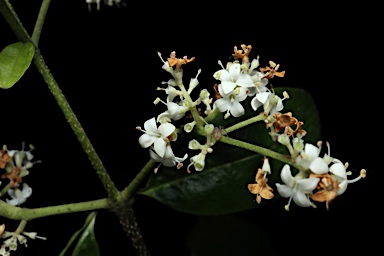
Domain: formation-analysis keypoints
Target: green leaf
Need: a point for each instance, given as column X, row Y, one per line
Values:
column 221, row 188
column 87, row 244
column 14, row 61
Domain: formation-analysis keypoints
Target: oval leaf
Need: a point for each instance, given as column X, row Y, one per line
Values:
column 14, row 61
column 221, row 188
column 87, row 244
column 87, row 228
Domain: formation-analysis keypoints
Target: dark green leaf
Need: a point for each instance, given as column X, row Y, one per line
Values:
column 221, row 188
column 87, row 244
column 14, row 61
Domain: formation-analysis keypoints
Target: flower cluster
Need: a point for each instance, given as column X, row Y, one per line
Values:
column 320, row 179
column 239, row 80
column 16, row 164
column 13, row 238
column 242, row 80
column 325, row 175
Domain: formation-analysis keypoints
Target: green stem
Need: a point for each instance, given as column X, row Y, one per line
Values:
column 82, row 137
column 40, row 21
column 242, row 124
column 5, row 189
column 194, row 112
column 212, row 115
column 11, row 17
column 17, row 213
column 128, row 192
column 260, row 150
column 21, row 227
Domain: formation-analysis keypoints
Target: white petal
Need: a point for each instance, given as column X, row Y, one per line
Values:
column 222, row 104
column 29, row 155
column 234, row 71
column 343, row 186
column 26, row 191
column 236, row 109
column 164, row 117
column 301, row 199
column 179, row 159
column 307, row 185
column 166, row 129
column 263, row 96
column 255, row 103
column 222, row 75
column 227, row 86
column 12, row 193
column 284, row 190
column 155, row 156
column 160, row 146
column 173, row 107
column 150, row 125
column 242, row 94
column 311, row 150
column 319, row 166
column 146, row 140
column 286, row 175
column 13, row 202
column 169, row 152
column 244, row 81
column 338, row 169
column 279, row 106
column 169, row 162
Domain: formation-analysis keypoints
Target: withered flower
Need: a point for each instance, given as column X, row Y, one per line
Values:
column 13, row 176
column 272, row 70
column 261, row 189
column 173, row 61
column 217, row 93
column 4, row 158
column 283, row 121
column 327, row 189
column 240, row 55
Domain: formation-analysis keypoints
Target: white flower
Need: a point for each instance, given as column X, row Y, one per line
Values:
column 230, row 101
column 3, row 251
column 307, row 156
column 11, row 242
column 339, row 172
column 171, row 91
column 175, row 111
column 198, row 161
column 233, row 77
column 271, row 102
column 260, row 83
column 156, row 136
column 169, row 159
column 19, row 196
column 297, row 188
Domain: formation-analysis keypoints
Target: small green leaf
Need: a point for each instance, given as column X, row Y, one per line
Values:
column 14, row 61
column 87, row 244
column 221, row 188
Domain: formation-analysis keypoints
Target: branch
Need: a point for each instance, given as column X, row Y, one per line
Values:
column 17, row 27
column 260, row 150
column 40, row 21
column 17, row 213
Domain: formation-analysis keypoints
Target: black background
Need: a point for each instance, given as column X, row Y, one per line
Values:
column 106, row 65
